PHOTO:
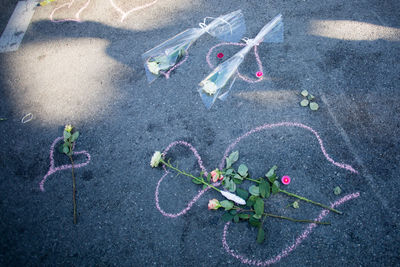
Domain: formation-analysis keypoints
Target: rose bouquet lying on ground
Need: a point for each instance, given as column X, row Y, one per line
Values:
column 224, row 75
column 241, row 204
column 170, row 54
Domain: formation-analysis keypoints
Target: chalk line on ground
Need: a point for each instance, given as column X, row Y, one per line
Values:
column 16, row 27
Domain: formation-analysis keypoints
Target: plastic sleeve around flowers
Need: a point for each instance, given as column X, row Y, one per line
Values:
column 168, row 54
column 220, row 81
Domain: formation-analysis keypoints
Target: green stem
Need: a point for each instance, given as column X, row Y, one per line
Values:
column 189, row 175
column 256, row 181
column 295, row 220
column 73, row 183
column 310, row 201
column 302, row 198
column 284, row 217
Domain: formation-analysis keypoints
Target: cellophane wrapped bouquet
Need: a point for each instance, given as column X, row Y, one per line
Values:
column 220, row 81
column 168, row 55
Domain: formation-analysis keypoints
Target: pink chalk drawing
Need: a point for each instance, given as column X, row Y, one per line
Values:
column 124, row 14
column 200, row 193
column 241, row 76
column 167, row 74
column 53, row 169
column 291, row 247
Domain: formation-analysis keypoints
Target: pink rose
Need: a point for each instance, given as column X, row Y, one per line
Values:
column 213, row 204
column 214, row 176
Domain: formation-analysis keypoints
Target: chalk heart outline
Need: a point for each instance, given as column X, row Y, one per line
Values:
column 68, row 6
column 241, row 76
column 286, row 251
column 53, row 169
column 126, row 13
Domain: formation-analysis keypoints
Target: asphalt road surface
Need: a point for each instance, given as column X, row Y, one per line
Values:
column 90, row 74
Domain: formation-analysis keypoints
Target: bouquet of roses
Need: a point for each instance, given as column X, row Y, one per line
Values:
column 167, row 56
column 241, row 204
column 224, row 75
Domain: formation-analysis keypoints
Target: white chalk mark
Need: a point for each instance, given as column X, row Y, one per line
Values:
column 16, row 27
column 126, row 13
column 27, row 118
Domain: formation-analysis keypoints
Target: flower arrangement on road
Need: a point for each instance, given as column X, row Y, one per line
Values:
column 242, row 204
column 70, row 136
column 220, row 81
column 167, row 56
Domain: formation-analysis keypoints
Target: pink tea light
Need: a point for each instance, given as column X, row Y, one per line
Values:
column 285, row 180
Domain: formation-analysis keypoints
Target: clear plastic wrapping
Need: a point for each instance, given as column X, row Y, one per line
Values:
column 220, row 81
column 165, row 57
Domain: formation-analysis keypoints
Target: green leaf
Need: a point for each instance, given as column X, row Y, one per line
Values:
column 304, row 93
column 251, row 201
column 228, row 163
column 304, row 103
column 254, row 190
column 209, row 178
column 254, row 222
column 337, row 190
column 257, row 216
column 236, row 218
column 310, row 97
column 264, row 188
column 229, row 185
column 271, row 172
column 234, row 156
column 65, row 150
column 314, row 106
column 195, row 181
column 237, row 181
column 244, row 216
column 67, row 135
column 259, row 206
column 229, row 171
column 242, row 170
column 275, row 187
column 295, row 204
column 204, row 186
column 242, row 193
column 233, row 212
column 228, row 205
column 260, row 235
column 237, row 176
column 74, row 136
column 226, row 217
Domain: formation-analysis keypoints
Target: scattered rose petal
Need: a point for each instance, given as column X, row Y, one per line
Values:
column 220, row 55
column 259, row 74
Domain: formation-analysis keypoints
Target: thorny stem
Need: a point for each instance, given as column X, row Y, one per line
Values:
column 73, row 183
column 283, row 217
column 189, row 175
column 302, row 198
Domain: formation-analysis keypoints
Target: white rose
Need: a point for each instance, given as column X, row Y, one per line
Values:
column 209, row 87
column 153, row 67
column 155, row 159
